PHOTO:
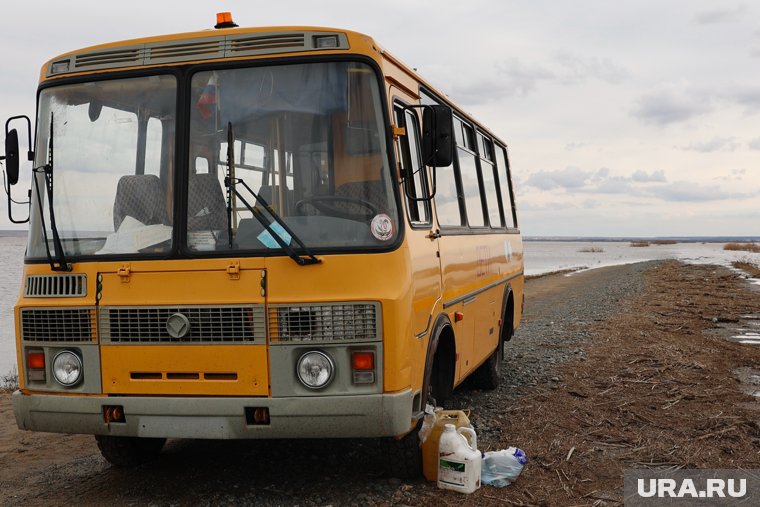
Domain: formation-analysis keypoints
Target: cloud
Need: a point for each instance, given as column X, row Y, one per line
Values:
column 687, row 191
column 736, row 175
column 725, row 15
column 511, row 77
column 570, row 177
column 641, row 185
column 715, row 144
column 747, row 96
column 754, row 144
column 669, row 106
column 521, row 78
column 577, row 68
column 645, row 177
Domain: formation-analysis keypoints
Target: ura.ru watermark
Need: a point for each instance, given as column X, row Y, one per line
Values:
column 692, row 487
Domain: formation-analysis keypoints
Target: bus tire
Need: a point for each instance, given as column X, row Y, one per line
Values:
column 402, row 457
column 488, row 375
column 129, row 451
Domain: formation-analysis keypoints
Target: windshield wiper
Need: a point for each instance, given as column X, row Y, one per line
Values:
column 230, row 182
column 59, row 264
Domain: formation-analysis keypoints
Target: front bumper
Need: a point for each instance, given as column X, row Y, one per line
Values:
column 377, row 415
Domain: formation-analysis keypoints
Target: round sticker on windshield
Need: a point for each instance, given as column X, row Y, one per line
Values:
column 382, row 227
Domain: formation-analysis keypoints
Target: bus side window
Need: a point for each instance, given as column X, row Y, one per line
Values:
column 468, row 171
column 490, row 191
column 414, row 172
column 505, row 187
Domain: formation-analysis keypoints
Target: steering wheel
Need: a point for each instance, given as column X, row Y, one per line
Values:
column 326, row 204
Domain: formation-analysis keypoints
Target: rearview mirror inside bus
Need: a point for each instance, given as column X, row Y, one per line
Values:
column 11, row 156
column 437, row 138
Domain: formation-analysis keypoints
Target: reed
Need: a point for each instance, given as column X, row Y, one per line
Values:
column 742, row 247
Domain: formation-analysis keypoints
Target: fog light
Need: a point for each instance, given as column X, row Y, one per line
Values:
column 315, row 369
column 67, row 368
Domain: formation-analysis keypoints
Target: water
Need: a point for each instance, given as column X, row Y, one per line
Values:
column 12, row 262
column 548, row 256
column 540, row 257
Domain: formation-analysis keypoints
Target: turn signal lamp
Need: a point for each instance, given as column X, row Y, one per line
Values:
column 35, row 360
column 363, row 360
column 35, row 365
column 363, row 366
column 224, row 20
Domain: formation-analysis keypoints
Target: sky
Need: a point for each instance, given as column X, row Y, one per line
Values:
column 622, row 118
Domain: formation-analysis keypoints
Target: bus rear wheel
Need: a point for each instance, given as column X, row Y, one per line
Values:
column 488, row 375
column 129, row 451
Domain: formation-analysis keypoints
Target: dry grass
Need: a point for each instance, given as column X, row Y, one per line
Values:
column 656, row 391
column 640, row 243
column 747, row 267
column 591, row 249
column 9, row 381
column 664, row 242
column 742, row 247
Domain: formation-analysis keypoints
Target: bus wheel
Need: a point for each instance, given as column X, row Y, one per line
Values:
column 129, row 451
column 402, row 458
column 487, row 376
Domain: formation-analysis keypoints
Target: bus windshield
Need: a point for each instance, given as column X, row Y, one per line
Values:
column 111, row 154
column 308, row 139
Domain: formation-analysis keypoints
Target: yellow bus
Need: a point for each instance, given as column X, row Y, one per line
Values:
column 238, row 233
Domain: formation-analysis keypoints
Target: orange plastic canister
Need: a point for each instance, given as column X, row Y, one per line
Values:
column 430, row 446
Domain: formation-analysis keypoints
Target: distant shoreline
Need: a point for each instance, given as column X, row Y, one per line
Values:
column 13, row 234
column 678, row 239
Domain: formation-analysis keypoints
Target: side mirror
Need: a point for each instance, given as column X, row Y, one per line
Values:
column 437, row 136
column 11, row 159
column 11, row 156
column 94, row 110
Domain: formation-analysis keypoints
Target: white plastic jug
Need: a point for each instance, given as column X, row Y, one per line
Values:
column 459, row 461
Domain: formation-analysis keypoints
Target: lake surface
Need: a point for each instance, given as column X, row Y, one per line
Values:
column 540, row 257
column 547, row 256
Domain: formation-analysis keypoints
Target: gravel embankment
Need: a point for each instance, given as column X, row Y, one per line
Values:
column 558, row 311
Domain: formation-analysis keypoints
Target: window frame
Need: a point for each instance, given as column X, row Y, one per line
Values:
column 405, row 158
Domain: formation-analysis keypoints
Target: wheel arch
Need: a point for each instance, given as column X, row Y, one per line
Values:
column 442, row 339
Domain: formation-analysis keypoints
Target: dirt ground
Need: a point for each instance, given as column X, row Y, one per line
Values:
column 654, row 381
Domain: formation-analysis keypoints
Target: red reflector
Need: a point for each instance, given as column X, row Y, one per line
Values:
column 458, row 316
column 363, row 360
column 35, row 360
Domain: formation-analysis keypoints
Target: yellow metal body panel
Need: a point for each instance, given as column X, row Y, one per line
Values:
column 185, row 370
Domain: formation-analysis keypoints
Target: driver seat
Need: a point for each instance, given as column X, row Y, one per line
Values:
column 372, row 191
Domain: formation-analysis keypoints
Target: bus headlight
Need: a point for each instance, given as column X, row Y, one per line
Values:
column 315, row 369
column 67, row 368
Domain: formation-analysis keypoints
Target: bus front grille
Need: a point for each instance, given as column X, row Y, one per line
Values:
column 183, row 324
column 324, row 322
column 57, row 324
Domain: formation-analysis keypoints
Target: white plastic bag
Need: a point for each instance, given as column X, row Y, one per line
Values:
column 427, row 423
column 501, row 468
